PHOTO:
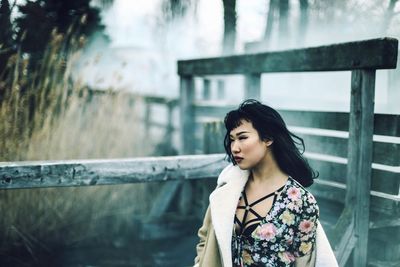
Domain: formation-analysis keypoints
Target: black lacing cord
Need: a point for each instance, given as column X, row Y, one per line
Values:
column 248, row 208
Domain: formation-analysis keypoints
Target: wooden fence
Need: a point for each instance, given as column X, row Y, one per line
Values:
column 362, row 58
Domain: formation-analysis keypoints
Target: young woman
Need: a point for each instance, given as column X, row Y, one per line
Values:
column 260, row 214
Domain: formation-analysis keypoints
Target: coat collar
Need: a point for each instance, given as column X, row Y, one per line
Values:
column 223, row 203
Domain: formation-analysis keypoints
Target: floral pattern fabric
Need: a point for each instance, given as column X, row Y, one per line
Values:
column 288, row 231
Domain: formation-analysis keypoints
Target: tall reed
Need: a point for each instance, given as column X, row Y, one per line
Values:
column 48, row 114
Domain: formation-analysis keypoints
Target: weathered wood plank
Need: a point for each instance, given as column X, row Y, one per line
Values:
column 381, row 180
column 164, row 198
column 347, row 246
column 108, row 172
column 383, row 152
column 360, row 158
column 383, row 223
column 321, row 190
column 342, row 224
column 382, row 54
column 344, row 230
column 187, row 131
column 384, row 124
column 336, row 192
column 186, row 198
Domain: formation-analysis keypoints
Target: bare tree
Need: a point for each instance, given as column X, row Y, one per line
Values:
column 273, row 6
column 388, row 16
column 175, row 9
column 303, row 25
column 230, row 17
column 278, row 13
column 5, row 25
column 283, row 21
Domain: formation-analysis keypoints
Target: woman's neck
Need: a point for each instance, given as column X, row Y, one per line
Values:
column 267, row 172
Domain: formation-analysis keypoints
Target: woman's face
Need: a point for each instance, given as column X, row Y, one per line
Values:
column 247, row 147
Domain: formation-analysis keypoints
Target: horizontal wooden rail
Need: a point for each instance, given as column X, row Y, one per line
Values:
column 369, row 54
column 384, row 124
column 387, row 153
column 136, row 96
column 384, row 203
column 38, row 174
column 381, row 180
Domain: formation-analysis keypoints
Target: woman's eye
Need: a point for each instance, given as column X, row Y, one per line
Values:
column 242, row 137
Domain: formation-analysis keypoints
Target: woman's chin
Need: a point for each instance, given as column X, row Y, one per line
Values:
column 243, row 166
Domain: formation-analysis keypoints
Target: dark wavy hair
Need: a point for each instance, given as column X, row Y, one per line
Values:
column 270, row 126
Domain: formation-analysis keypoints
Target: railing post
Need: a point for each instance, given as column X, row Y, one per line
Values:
column 220, row 89
column 187, row 125
column 147, row 117
column 170, row 125
column 361, row 123
column 206, row 89
column 186, row 198
column 252, row 86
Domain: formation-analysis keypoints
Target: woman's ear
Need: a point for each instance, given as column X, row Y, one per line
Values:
column 269, row 142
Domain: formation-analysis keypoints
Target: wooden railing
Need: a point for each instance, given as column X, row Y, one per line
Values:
column 41, row 174
column 362, row 58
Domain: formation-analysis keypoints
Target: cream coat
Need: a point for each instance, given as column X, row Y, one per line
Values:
column 214, row 248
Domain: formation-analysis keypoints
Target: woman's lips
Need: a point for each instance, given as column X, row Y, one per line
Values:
column 238, row 159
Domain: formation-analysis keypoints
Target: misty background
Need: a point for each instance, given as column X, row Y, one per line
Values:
column 98, row 79
column 153, row 42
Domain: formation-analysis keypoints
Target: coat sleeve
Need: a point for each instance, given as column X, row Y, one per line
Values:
column 202, row 234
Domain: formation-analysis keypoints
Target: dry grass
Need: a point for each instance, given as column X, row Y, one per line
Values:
column 44, row 115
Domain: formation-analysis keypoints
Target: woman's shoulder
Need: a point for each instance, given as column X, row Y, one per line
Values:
column 301, row 196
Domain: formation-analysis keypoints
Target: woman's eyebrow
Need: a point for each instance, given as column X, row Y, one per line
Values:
column 239, row 133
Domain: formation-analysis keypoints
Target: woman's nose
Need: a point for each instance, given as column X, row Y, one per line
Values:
column 235, row 147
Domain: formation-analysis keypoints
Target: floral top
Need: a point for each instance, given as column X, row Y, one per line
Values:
column 286, row 232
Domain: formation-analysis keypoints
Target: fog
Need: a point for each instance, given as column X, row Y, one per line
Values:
column 144, row 47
